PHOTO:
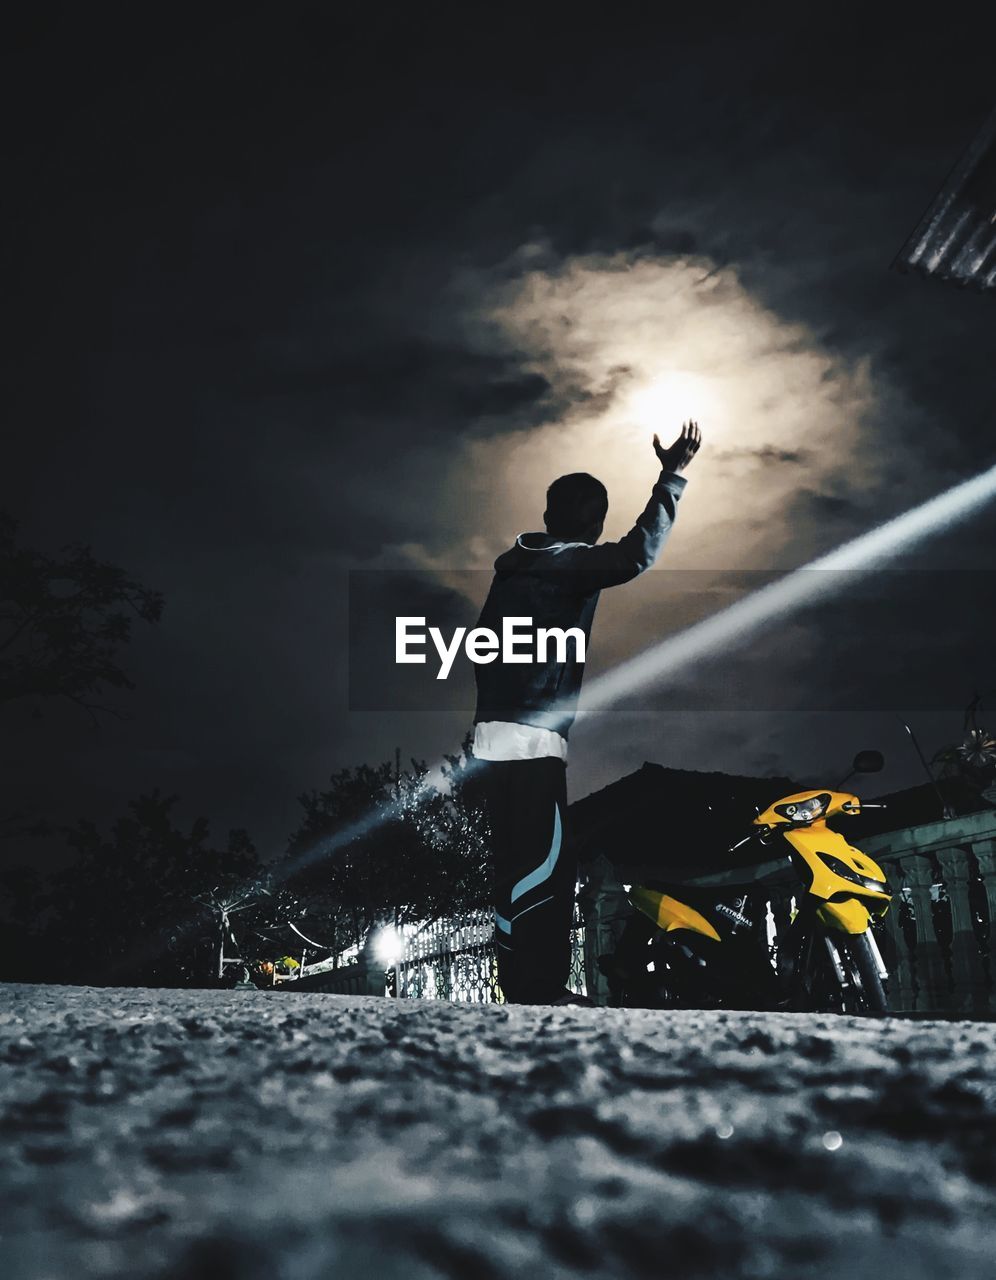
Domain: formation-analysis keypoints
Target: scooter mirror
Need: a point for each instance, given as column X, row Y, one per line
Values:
column 868, row 762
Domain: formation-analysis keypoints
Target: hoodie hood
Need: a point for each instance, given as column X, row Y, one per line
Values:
column 524, row 553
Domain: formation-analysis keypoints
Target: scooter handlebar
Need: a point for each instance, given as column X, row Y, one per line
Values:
column 757, row 833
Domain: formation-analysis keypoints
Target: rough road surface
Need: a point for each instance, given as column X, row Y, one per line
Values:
column 274, row 1136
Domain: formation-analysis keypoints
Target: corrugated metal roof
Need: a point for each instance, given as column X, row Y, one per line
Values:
column 956, row 238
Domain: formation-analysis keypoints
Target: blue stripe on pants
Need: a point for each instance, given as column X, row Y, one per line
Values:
column 545, row 869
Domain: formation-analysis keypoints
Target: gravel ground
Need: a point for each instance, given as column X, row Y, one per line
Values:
column 290, row 1136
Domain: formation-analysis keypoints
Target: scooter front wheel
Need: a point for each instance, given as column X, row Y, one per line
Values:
column 864, row 961
column 839, row 974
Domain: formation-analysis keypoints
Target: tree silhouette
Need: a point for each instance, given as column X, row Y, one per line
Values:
column 142, row 904
column 63, row 620
column 417, row 851
column 150, row 902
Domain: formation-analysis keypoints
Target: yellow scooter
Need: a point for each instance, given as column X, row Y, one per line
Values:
column 703, row 950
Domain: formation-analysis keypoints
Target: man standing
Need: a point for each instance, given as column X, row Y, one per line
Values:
column 525, row 711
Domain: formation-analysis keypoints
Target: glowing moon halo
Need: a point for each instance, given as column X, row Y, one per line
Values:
column 664, row 402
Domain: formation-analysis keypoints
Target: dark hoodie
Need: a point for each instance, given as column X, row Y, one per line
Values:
column 557, row 584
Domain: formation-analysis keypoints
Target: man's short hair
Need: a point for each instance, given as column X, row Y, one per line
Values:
column 574, row 503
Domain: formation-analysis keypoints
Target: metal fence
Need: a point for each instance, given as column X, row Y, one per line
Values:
column 454, row 959
column 457, row 960
column 449, row 960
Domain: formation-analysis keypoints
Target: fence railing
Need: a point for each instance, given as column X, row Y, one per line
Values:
column 449, row 960
column 454, row 959
column 939, row 936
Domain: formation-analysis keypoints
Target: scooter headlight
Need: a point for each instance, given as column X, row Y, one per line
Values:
column 804, row 810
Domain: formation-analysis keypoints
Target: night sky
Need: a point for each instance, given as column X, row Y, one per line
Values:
column 293, row 292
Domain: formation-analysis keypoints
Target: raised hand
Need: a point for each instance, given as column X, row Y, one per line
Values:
column 684, row 449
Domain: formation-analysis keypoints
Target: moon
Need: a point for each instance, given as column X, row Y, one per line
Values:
column 662, row 402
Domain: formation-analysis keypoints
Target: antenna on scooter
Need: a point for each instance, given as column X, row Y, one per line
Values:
column 946, row 810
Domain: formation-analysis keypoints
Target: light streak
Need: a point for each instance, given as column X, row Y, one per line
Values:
column 819, row 579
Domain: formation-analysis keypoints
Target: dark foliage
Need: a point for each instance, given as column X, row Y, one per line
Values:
column 140, row 905
column 62, row 622
column 150, row 902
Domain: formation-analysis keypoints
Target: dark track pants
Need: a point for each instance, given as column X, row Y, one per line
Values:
column 533, row 877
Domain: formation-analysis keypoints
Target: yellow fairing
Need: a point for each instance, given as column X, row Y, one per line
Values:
column 817, row 838
column 669, row 914
column 851, row 916
column 853, row 913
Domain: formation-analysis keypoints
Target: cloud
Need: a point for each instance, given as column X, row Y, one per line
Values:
column 828, row 506
column 765, row 454
column 637, row 341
